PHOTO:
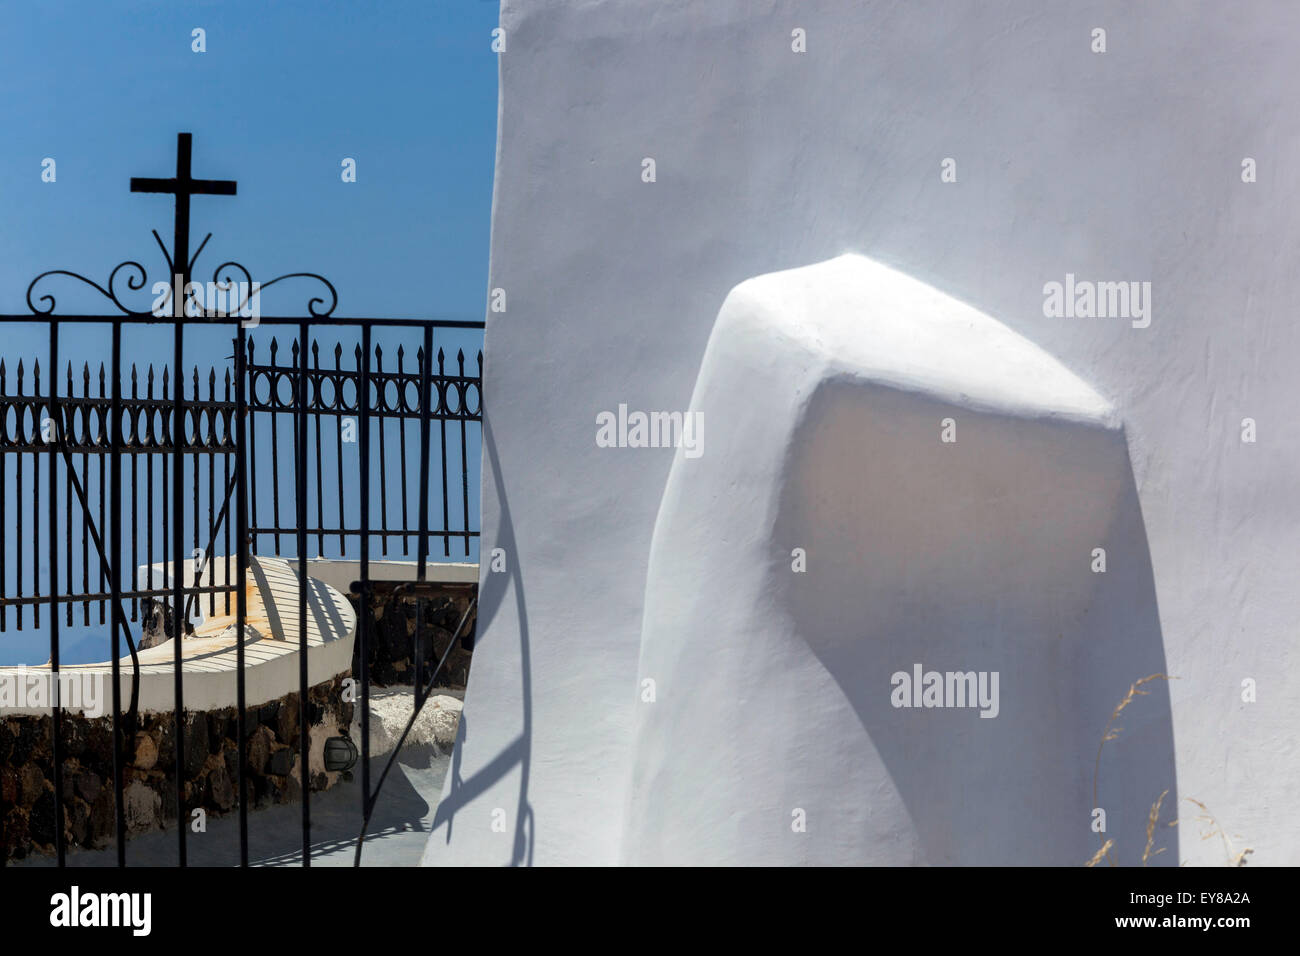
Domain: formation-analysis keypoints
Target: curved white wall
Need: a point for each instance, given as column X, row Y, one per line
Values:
column 830, row 539
column 1124, row 165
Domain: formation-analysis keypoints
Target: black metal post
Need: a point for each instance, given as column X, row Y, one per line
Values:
column 56, row 715
column 115, row 570
column 363, row 654
column 241, row 598
column 178, row 581
column 181, row 269
column 426, row 382
column 426, row 388
column 300, row 499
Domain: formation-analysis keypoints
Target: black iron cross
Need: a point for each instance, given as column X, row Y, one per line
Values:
column 183, row 187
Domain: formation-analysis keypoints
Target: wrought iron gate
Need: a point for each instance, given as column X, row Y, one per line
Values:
column 220, row 424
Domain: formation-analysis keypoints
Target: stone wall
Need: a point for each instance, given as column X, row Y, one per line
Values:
column 149, row 780
column 392, row 627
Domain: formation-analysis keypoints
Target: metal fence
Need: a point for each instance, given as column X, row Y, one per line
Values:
column 91, row 435
column 86, row 422
column 232, row 433
column 454, row 398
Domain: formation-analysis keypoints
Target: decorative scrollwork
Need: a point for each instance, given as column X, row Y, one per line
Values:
column 134, row 281
column 453, row 396
column 313, row 304
column 226, row 278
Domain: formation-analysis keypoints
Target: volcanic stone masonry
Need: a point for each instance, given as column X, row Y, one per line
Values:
column 211, row 767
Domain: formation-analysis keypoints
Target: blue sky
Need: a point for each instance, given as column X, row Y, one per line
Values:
column 284, row 92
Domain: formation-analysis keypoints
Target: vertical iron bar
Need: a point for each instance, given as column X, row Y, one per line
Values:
column 300, row 499
column 241, row 599
column 135, row 490
column 67, row 493
column 115, row 576
column 148, row 484
column 363, row 654
column 275, row 446
column 56, row 707
column 225, row 459
column 36, row 509
column 209, row 563
column 101, row 440
column 165, row 539
column 338, row 444
column 320, row 488
column 251, row 400
column 442, row 430
column 461, row 397
column 181, row 262
column 426, row 387
column 18, row 506
column 195, row 551
column 178, row 551
column 380, row 399
column 401, row 435
column 422, row 545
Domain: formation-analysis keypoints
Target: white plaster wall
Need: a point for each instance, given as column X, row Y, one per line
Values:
column 1120, row 166
column 775, row 739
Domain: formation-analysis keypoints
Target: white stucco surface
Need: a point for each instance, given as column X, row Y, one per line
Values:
column 1116, row 166
column 830, row 538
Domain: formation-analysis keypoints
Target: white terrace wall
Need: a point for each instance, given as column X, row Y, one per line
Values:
column 1118, row 165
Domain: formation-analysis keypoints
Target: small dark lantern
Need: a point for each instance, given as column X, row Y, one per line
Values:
column 340, row 754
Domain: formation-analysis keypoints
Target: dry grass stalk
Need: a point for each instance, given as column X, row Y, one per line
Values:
column 1096, row 857
column 1235, row 857
column 1152, row 819
column 1112, row 732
